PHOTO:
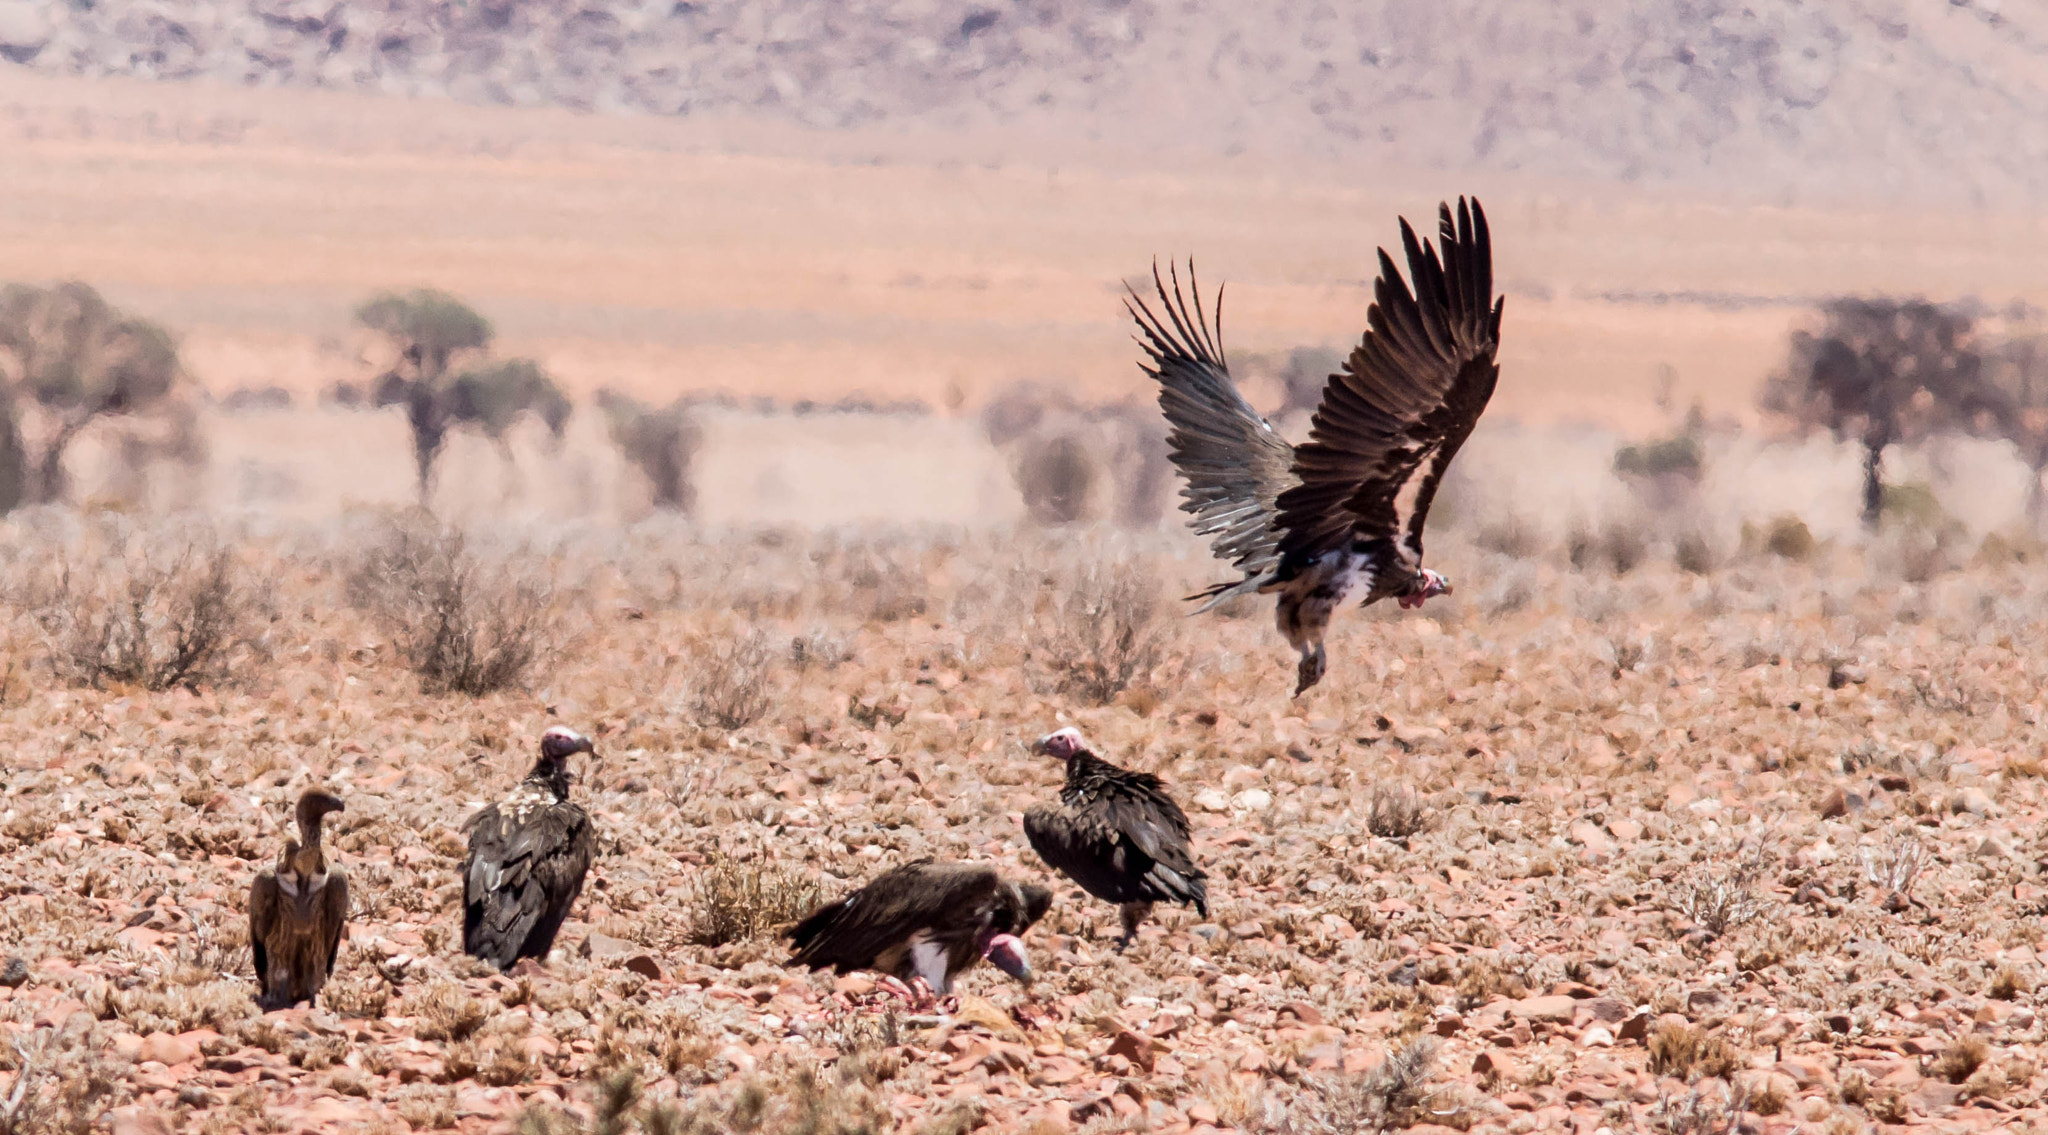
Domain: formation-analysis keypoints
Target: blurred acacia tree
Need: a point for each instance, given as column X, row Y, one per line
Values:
column 2018, row 362
column 68, row 358
column 661, row 442
column 433, row 332
column 1887, row 370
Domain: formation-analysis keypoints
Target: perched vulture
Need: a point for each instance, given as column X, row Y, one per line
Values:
column 527, row 857
column 1118, row 834
column 297, row 913
column 1345, row 509
column 924, row 920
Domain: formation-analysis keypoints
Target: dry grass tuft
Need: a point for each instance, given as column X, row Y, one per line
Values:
column 739, row 900
column 729, row 681
column 446, row 1011
column 1395, row 1094
column 1397, row 812
column 1688, row 1053
column 463, row 625
column 1718, row 899
column 61, row 1085
column 164, row 616
column 1098, row 630
column 1961, row 1059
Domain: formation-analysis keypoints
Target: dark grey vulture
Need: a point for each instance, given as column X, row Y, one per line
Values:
column 924, row 920
column 1345, row 509
column 297, row 913
column 1118, row 834
column 528, row 854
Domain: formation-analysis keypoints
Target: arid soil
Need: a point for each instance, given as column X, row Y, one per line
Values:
column 1569, row 849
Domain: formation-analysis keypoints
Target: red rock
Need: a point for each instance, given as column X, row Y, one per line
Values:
column 1134, row 1047
column 1304, row 1012
column 1495, row 1064
column 137, row 1121
column 645, row 966
column 1551, row 1007
column 139, row 938
column 167, row 1049
column 1518, row 1101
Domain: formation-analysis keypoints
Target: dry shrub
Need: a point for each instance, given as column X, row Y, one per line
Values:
column 1719, row 898
column 1393, row 1095
column 463, row 625
column 1961, row 1059
column 445, row 1011
column 799, row 1102
column 653, row 1040
column 426, row 1107
column 1618, row 546
column 61, row 1085
column 1788, row 538
column 729, row 681
column 1701, row 1111
column 360, row 994
column 2007, row 985
column 819, row 647
column 1693, row 554
column 736, row 900
column 1099, row 631
column 1688, row 1053
column 1396, row 813
column 167, row 614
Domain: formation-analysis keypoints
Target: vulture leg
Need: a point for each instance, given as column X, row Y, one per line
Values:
column 1304, row 612
column 1132, row 915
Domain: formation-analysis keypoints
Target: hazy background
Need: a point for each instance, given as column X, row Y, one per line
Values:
column 926, row 205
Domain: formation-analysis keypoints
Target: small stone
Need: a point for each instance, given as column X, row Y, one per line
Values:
column 167, row 1049
column 1133, row 1047
column 1253, row 800
column 1557, row 1007
column 13, row 973
column 1636, row 1027
column 600, row 946
column 1212, row 800
column 645, row 966
column 1834, row 804
column 1972, row 800
column 1596, row 1037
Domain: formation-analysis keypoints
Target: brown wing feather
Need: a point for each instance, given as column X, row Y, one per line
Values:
column 1407, row 398
column 947, row 900
column 1234, row 465
column 1121, row 836
column 330, row 920
column 263, row 907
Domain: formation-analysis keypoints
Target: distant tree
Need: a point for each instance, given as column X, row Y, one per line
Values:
column 433, row 331
column 1887, row 370
column 67, row 359
column 660, row 442
column 2018, row 362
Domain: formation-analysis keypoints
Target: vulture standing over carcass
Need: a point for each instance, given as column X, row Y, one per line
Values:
column 527, row 857
column 1346, row 508
column 1118, row 834
column 297, row 913
column 924, row 920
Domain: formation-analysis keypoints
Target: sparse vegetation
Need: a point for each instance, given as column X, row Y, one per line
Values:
column 1097, row 630
column 167, row 613
column 661, row 443
column 464, row 625
column 739, row 898
column 1688, row 1053
column 729, row 681
column 1394, row 1094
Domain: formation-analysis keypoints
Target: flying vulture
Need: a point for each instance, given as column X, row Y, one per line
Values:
column 1346, row 508
column 297, row 913
column 924, row 920
column 1118, row 834
column 527, row 857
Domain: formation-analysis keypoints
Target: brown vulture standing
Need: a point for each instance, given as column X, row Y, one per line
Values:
column 527, row 857
column 1346, row 508
column 297, row 913
column 1118, row 834
column 924, row 920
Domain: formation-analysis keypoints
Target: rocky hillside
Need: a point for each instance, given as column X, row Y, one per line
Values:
column 1875, row 100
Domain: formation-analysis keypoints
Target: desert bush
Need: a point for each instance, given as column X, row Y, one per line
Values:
column 62, row 1086
column 167, row 613
column 1619, row 546
column 1787, row 537
column 445, row 1011
column 1098, row 630
column 1692, row 553
column 72, row 359
column 1718, row 897
column 1392, row 1095
column 1688, row 1053
column 662, row 443
column 463, row 625
column 798, row 1101
column 728, row 680
column 1961, row 1059
column 433, row 331
column 737, row 900
column 1396, row 813
column 1055, row 475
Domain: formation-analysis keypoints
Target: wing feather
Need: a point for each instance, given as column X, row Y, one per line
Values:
column 1234, row 466
column 1408, row 397
column 333, row 916
column 263, row 904
column 946, row 901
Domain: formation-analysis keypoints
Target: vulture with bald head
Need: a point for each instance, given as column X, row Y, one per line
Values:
column 297, row 913
column 528, row 854
column 924, row 921
column 1343, row 511
column 1118, row 834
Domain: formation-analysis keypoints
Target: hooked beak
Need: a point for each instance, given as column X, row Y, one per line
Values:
column 1006, row 952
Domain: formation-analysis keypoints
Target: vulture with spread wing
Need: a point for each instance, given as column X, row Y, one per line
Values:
column 1118, row 834
column 1346, row 508
column 528, row 854
column 297, row 913
column 924, row 920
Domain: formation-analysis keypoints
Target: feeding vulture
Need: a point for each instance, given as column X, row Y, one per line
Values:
column 924, row 920
column 297, row 913
column 1118, row 834
column 527, row 857
column 1346, row 508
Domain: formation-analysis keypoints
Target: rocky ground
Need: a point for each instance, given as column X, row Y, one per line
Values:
column 1844, row 100
column 1758, row 848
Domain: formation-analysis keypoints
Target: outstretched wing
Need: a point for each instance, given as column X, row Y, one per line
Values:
column 1391, row 421
column 1234, row 464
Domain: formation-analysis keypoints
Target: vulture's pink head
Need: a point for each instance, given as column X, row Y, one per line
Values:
column 1062, row 744
column 1006, row 953
column 1428, row 583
